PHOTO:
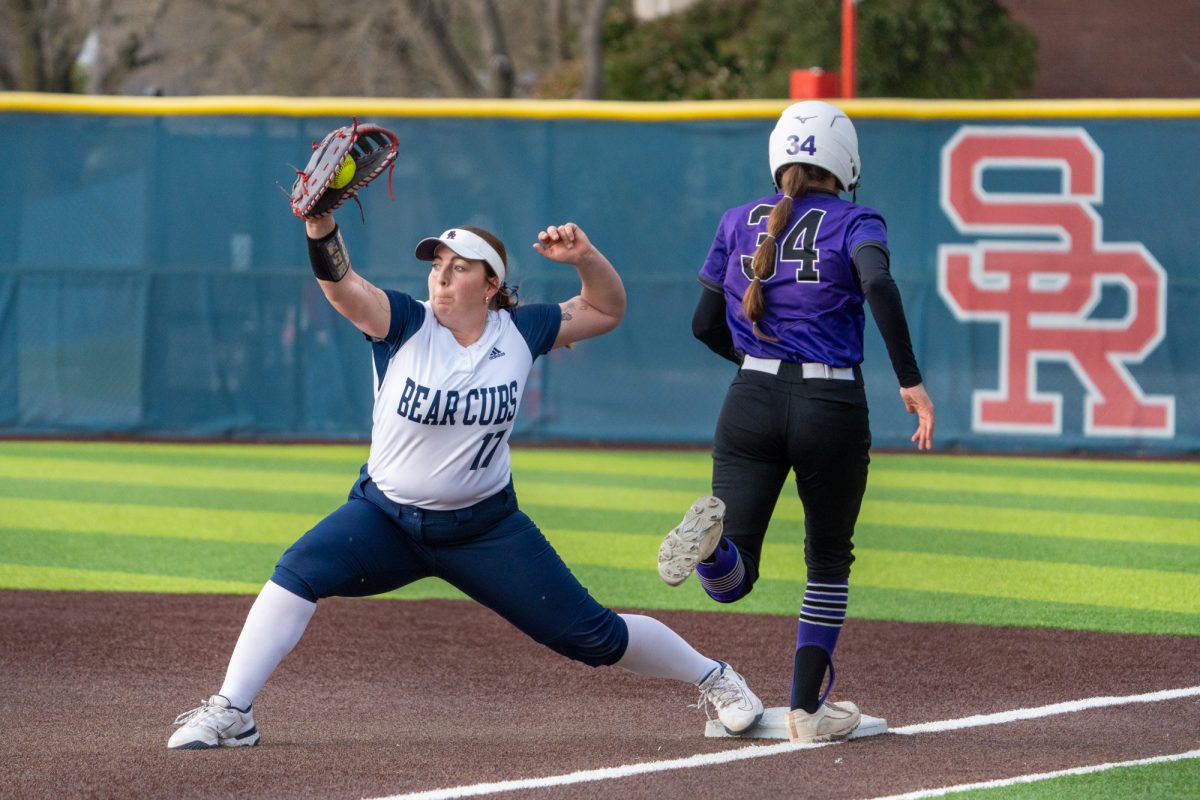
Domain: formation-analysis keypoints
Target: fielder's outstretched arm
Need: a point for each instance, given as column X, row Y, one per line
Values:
column 354, row 297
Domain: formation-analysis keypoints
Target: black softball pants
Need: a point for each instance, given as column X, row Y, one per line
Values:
column 817, row 427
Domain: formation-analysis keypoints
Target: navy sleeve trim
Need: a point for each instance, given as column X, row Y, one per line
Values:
column 407, row 317
column 538, row 324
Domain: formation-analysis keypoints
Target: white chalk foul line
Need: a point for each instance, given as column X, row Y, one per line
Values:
column 761, row 751
column 609, row 773
column 1045, row 711
column 1041, row 776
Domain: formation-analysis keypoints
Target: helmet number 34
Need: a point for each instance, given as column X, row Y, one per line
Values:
column 795, row 146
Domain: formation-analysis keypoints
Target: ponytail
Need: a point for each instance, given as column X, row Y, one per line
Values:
column 794, row 180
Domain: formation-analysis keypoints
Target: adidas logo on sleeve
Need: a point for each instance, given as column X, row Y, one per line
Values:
column 496, row 353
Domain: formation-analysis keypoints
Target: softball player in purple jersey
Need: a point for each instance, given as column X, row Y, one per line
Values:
column 784, row 286
column 436, row 495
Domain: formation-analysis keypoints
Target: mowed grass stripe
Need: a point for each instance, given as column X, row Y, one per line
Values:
column 297, row 458
column 699, row 463
column 69, row 471
column 691, row 465
column 1184, row 473
column 623, row 588
column 1060, row 488
column 106, row 494
column 1022, row 547
column 283, row 517
column 108, row 543
column 74, row 472
column 873, row 602
column 684, row 463
column 1044, row 555
column 625, row 507
column 142, row 555
column 589, row 467
column 22, row 474
column 268, row 477
column 1072, row 525
column 35, row 559
column 1140, row 589
column 84, row 580
column 1115, row 527
column 1062, row 503
column 1093, row 497
column 629, row 587
column 213, row 525
column 1119, row 587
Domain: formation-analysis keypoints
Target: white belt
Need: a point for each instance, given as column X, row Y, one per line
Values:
column 808, row 369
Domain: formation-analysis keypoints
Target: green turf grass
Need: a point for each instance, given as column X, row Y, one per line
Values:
column 1081, row 544
column 1176, row 780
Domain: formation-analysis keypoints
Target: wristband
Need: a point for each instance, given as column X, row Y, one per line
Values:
column 328, row 256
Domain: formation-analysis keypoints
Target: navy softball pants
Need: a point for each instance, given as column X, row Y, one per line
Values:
column 816, row 427
column 491, row 551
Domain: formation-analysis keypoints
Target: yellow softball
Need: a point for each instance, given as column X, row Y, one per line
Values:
column 344, row 174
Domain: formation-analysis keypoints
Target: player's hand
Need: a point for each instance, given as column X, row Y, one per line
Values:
column 916, row 401
column 566, row 243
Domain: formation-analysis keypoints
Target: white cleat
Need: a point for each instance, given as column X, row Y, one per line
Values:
column 829, row 722
column 738, row 708
column 691, row 541
column 214, row 723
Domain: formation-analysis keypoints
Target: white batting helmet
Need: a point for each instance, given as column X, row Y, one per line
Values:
column 813, row 132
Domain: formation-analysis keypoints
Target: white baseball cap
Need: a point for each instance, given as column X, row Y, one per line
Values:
column 466, row 244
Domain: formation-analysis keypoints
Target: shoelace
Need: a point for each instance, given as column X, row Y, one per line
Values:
column 723, row 692
column 204, row 709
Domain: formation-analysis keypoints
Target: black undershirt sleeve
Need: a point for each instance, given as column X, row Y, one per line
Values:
column 709, row 326
column 883, row 297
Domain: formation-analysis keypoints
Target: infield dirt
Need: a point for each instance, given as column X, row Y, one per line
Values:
column 385, row 697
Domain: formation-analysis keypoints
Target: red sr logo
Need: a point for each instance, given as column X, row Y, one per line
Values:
column 1042, row 292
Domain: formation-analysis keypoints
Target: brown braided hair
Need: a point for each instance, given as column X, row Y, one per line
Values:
column 794, row 180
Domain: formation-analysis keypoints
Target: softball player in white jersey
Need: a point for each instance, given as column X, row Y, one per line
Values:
column 436, row 496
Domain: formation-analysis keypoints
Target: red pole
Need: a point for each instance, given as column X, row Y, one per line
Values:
column 848, row 8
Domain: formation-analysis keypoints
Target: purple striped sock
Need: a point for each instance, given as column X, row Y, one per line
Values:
column 725, row 578
column 821, row 616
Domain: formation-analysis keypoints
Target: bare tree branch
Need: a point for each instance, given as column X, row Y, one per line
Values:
column 29, row 45
column 557, row 22
column 125, row 43
column 496, row 46
column 396, row 48
column 593, row 50
column 430, row 18
column 246, row 11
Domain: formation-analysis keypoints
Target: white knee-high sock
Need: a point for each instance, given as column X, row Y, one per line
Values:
column 273, row 627
column 656, row 651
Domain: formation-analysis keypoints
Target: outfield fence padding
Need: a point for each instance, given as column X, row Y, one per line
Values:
column 154, row 283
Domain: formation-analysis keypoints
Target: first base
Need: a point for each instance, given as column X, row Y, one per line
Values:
column 772, row 726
